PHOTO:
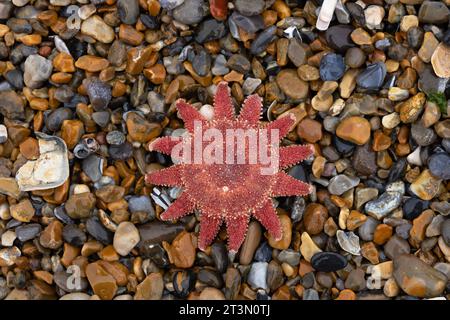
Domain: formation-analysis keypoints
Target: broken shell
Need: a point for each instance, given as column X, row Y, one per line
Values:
column 349, row 242
column 269, row 110
column 106, row 221
column 50, row 170
column 326, row 14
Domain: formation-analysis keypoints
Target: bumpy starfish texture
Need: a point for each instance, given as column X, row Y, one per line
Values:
column 230, row 193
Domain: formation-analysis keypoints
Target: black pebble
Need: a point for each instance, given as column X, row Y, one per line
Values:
column 328, row 261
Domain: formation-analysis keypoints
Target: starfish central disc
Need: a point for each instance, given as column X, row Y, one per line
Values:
column 218, row 188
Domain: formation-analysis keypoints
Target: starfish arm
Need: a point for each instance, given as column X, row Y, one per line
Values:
column 283, row 125
column 209, row 227
column 170, row 176
column 189, row 115
column 251, row 110
column 164, row 144
column 269, row 219
column 289, row 186
column 236, row 230
column 294, row 154
column 223, row 106
column 180, row 208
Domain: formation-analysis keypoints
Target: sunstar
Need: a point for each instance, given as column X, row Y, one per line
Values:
column 230, row 193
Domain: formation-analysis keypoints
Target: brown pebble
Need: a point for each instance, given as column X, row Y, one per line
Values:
column 103, row 284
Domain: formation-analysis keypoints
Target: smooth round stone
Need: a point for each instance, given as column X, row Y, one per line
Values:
column 219, row 67
column 93, row 166
column 310, row 294
column 429, row 82
column 257, row 276
column 444, row 268
column 434, row 228
column 367, row 229
column 373, row 15
column 210, row 30
column 446, row 38
column 128, row 11
column 290, row 257
column 99, row 93
column 263, row 253
column 364, row 195
column 275, row 276
column 262, row 40
column 342, row 183
column 423, row 136
column 121, row 152
column 3, row 133
column 170, row 4
column 239, row 63
column 443, row 129
column 364, row 160
column 355, row 57
column 210, row 293
column 15, row 78
column 355, row 280
column 435, row 12
column 219, row 256
column 101, row 118
column 249, row 8
column 354, row 129
column 95, row 27
column 291, row 84
column 37, row 71
column 338, row 37
column 250, row 244
column 314, row 218
column 183, row 283
column 445, row 231
column 251, row 24
column 250, row 85
column 96, row 229
column 74, row 235
column 210, row 278
column 28, row 231
column 190, row 12
column 126, row 238
column 413, row 207
column 385, row 204
column 115, row 137
column 372, row 77
column 397, row 52
column 396, row 246
column 332, row 67
column 426, row 186
column 141, row 204
column 342, row 146
column 150, row 22
column 439, row 165
column 76, row 296
column 415, row 37
column 328, row 261
column 417, row 278
column 296, row 52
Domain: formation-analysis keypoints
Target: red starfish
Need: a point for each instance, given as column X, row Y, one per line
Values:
column 230, row 193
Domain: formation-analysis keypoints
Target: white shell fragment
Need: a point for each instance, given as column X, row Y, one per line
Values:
column 326, row 14
column 50, row 170
column 349, row 242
